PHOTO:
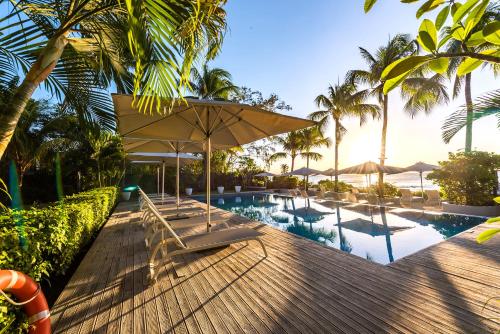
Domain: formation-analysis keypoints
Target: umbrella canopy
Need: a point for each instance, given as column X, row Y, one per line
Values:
column 164, row 159
column 421, row 167
column 370, row 167
column 264, row 174
column 304, row 171
column 216, row 122
column 164, row 146
column 329, row 172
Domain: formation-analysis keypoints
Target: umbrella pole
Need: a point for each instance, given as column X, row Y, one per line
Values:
column 208, row 151
column 422, row 184
column 158, row 180
column 163, row 182
column 177, row 177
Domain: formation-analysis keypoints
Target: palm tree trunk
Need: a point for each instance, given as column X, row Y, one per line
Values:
column 293, row 162
column 38, row 72
column 98, row 173
column 337, row 130
column 307, row 177
column 470, row 113
column 382, row 145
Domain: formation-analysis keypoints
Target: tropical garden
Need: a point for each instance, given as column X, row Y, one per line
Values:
column 62, row 161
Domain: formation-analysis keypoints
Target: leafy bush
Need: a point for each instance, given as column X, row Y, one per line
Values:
column 330, row 185
column 44, row 241
column 284, row 182
column 468, row 178
column 390, row 190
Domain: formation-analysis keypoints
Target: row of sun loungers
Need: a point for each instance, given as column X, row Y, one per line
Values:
column 162, row 224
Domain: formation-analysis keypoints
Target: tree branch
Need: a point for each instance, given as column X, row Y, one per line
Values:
column 489, row 58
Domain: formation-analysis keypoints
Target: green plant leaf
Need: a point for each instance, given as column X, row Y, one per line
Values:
column 442, row 16
column 427, row 35
column 369, row 4
column 491, row 32
column 475, row 16
column 492, row 220
column 439, row 65
column 459, row 34
column 497, row 199
column 394, row 82
column 444, row 40
column 402, row 66
column 455, row 7
column 475, row 39
column 428, row 6
column 462, row 10
column 409, row 1
column 470, row 64
column 487, row 235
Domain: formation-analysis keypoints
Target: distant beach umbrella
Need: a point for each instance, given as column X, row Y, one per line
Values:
column 265, row 174
column 304, row 171
column 421, row 167
column 329, row 172
column 369, row 168
column 208, row 121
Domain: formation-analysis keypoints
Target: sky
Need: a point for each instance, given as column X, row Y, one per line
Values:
column 297, row 48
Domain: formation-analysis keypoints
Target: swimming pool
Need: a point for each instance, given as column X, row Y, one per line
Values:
column 376, row 233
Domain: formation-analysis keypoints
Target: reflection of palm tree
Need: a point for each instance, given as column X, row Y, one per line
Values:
column 345, row 245
column 387, row 234
column 319, row 234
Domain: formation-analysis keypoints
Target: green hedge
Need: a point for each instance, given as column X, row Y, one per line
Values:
column 41, row 242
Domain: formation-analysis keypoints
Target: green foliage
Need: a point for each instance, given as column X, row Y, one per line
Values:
column 488, row 234
column 283, row 182
column 41, row 242
column 390, row 190
column 473, row 27
column 468, row 178
column 329, row 185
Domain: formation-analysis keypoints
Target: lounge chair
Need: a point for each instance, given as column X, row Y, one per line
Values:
column 304, row 193
column 408, row 200
column 321, row 193
column 433, row 200
column 176, row 245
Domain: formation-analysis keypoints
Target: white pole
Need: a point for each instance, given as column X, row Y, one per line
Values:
column 158, row 180
column 208, row 151
column 163, row 182
column 177, row 177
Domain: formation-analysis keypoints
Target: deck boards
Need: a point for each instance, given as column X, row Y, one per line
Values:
column 302, row 286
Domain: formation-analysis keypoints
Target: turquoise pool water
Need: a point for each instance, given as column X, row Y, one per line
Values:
column 378, row 234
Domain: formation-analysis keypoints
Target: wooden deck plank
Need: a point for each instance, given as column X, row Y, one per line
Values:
column 301, row 287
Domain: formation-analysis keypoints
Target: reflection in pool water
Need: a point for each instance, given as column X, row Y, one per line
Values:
column 376, row 233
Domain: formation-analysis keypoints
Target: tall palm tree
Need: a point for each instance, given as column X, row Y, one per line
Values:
column 310, row 139
column 78, row 47
column 427, row 91
column 291, row 144
column 211, row 83
column 464, row 83
column 342, row 100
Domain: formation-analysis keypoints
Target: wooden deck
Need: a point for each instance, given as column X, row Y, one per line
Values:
column 301, row 286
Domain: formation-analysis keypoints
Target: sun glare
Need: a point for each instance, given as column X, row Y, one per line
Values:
column 363, row 150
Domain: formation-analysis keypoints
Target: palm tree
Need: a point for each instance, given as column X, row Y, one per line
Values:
column 283, row 168
column 341, row 101
column 311, row 138
column 427, row 91
column 98, row 140
column 211, row 83
column 291, row 144
column 79, row 47
column 491, row 14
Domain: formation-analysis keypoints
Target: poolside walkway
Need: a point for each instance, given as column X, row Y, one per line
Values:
column 301, row 286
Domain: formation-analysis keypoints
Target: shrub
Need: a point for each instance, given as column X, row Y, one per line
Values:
column 330, row 185
column 468, row 178
column 44, row 241
column 390, row 190
column 284, row 182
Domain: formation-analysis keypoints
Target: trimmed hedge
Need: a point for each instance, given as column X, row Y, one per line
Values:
column 41, row 242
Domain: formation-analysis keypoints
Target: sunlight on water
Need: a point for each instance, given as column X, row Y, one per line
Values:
column 378, row 234
column 17, row 203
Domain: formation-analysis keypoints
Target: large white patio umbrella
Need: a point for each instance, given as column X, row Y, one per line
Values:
column 421, row 167
column 212, row 122
column 165, row 159
column 304, row 171
column 164, row 146
column 370, row 167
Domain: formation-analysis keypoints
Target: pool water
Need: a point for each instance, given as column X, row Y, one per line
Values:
column 375, row 233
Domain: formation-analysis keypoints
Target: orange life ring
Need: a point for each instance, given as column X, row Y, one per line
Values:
column 28, row 292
